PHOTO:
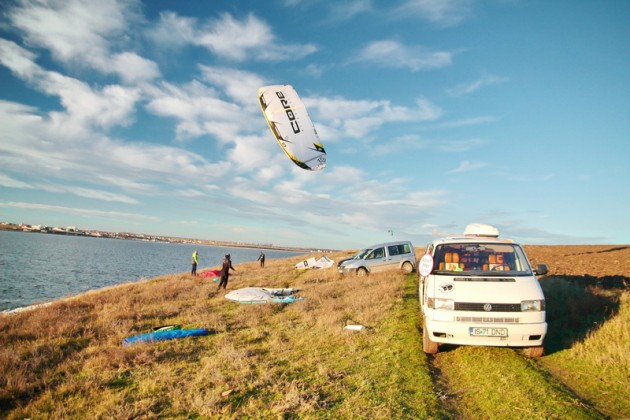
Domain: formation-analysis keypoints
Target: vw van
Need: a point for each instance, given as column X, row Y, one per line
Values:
column 380, row 257
column 480, row 290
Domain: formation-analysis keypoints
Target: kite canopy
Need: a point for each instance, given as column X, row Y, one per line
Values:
column 291, row 126
column 263, row 295
column 163, row 335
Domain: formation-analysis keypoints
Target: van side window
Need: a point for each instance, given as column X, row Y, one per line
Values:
column 393, row 250
column 399, row 249
column 377, row 253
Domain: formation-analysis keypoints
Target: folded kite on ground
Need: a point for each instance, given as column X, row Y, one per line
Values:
column 164, row 335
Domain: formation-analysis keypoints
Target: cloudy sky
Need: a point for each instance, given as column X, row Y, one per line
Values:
column 125, row 115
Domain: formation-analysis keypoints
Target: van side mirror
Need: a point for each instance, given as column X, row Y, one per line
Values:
column 541, row 270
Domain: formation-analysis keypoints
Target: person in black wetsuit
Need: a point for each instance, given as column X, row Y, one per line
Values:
column 225, row 271
column 261, row 258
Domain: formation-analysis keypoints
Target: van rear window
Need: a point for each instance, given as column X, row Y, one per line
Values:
column 481, row 259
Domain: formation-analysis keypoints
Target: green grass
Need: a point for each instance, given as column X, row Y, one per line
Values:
column 593, row 357
column 499, row 383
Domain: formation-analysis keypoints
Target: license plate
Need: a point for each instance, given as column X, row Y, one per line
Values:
column 488, row 332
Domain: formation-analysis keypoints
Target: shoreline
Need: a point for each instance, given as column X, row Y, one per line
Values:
column 154, row 238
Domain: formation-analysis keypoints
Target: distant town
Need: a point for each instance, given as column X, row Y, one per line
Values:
column 73, row 230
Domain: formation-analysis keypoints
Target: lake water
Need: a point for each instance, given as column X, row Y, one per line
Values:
column 36, row 268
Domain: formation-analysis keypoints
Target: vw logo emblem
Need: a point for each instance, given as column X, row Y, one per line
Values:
column 487, row 307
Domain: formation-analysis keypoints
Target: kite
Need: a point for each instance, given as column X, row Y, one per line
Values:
column 291, row 126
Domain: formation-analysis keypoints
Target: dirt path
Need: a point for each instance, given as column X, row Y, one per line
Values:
column 484, row 382
column 442, row 386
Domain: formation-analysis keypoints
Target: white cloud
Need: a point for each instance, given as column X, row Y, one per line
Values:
column 460, row 145
column 356, row 118
column 173, row 30
column 248, row 39
column 9, row 182
column 347, row 10
column 132, row 68
column 388, row 53
column 241, row 86
column 468, row 88
column 79, row 211
column 112, row 105
column 38, row 146
column 198, row 108
column 57, row 188
column 17, row 59
column 405, row 144
column 440, row 12
column 467, row 166
column 467, row 121
column 87, row 34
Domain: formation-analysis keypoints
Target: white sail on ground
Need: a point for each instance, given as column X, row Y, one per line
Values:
column 291, row 126
column 323, row 262
column 253, row 295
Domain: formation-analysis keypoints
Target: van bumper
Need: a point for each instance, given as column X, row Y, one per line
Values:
column 518, row 335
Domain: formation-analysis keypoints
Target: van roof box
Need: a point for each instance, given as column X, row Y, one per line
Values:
column 479, row 229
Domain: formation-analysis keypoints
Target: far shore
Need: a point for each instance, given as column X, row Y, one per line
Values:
column 151, row 238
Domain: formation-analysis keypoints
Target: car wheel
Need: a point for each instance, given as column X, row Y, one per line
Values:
column 428, row 346
column 534, row 352
column 362, row 272
column 407, row 267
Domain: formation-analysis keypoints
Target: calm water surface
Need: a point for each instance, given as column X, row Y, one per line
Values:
column 37, row 268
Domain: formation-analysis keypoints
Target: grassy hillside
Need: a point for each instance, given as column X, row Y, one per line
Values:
column 294, row 360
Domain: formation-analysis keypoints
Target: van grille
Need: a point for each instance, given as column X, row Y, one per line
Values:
column 496, row 307
column 487, row 320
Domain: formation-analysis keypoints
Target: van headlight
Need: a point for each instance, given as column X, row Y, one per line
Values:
column 532, row 305
column 438, row 303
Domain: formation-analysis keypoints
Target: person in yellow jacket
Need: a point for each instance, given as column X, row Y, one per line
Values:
column 194, row 263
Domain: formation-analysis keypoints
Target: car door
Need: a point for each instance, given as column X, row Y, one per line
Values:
column 394, row 256
column 376, row 260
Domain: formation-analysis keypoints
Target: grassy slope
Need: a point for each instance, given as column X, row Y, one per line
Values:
column 260, row 360
column 288, row 360
column 589, row 345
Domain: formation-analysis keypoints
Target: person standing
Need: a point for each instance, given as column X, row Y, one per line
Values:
column 261, row 258
column 225, row 271
column 194, row 263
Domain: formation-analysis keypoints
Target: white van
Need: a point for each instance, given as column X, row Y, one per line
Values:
column 480, row 290
column 387, row 256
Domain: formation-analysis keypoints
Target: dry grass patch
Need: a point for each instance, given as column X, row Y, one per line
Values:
column 259, row 360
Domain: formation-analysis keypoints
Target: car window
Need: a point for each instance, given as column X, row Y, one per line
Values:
column 399, row 249
column 377, row 253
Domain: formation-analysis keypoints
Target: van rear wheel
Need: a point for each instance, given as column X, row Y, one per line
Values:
column 428, row 346
column 407, row 267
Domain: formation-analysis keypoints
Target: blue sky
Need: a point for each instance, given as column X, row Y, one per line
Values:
column 134, row 116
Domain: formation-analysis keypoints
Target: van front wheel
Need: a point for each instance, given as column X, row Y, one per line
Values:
column 362, row 272
column 407, row 267
column 428, row 346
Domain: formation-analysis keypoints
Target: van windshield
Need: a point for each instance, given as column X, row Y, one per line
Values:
column 486, row 259
column 361, row 254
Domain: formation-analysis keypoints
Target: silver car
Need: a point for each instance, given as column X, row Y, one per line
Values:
column 386, row 256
